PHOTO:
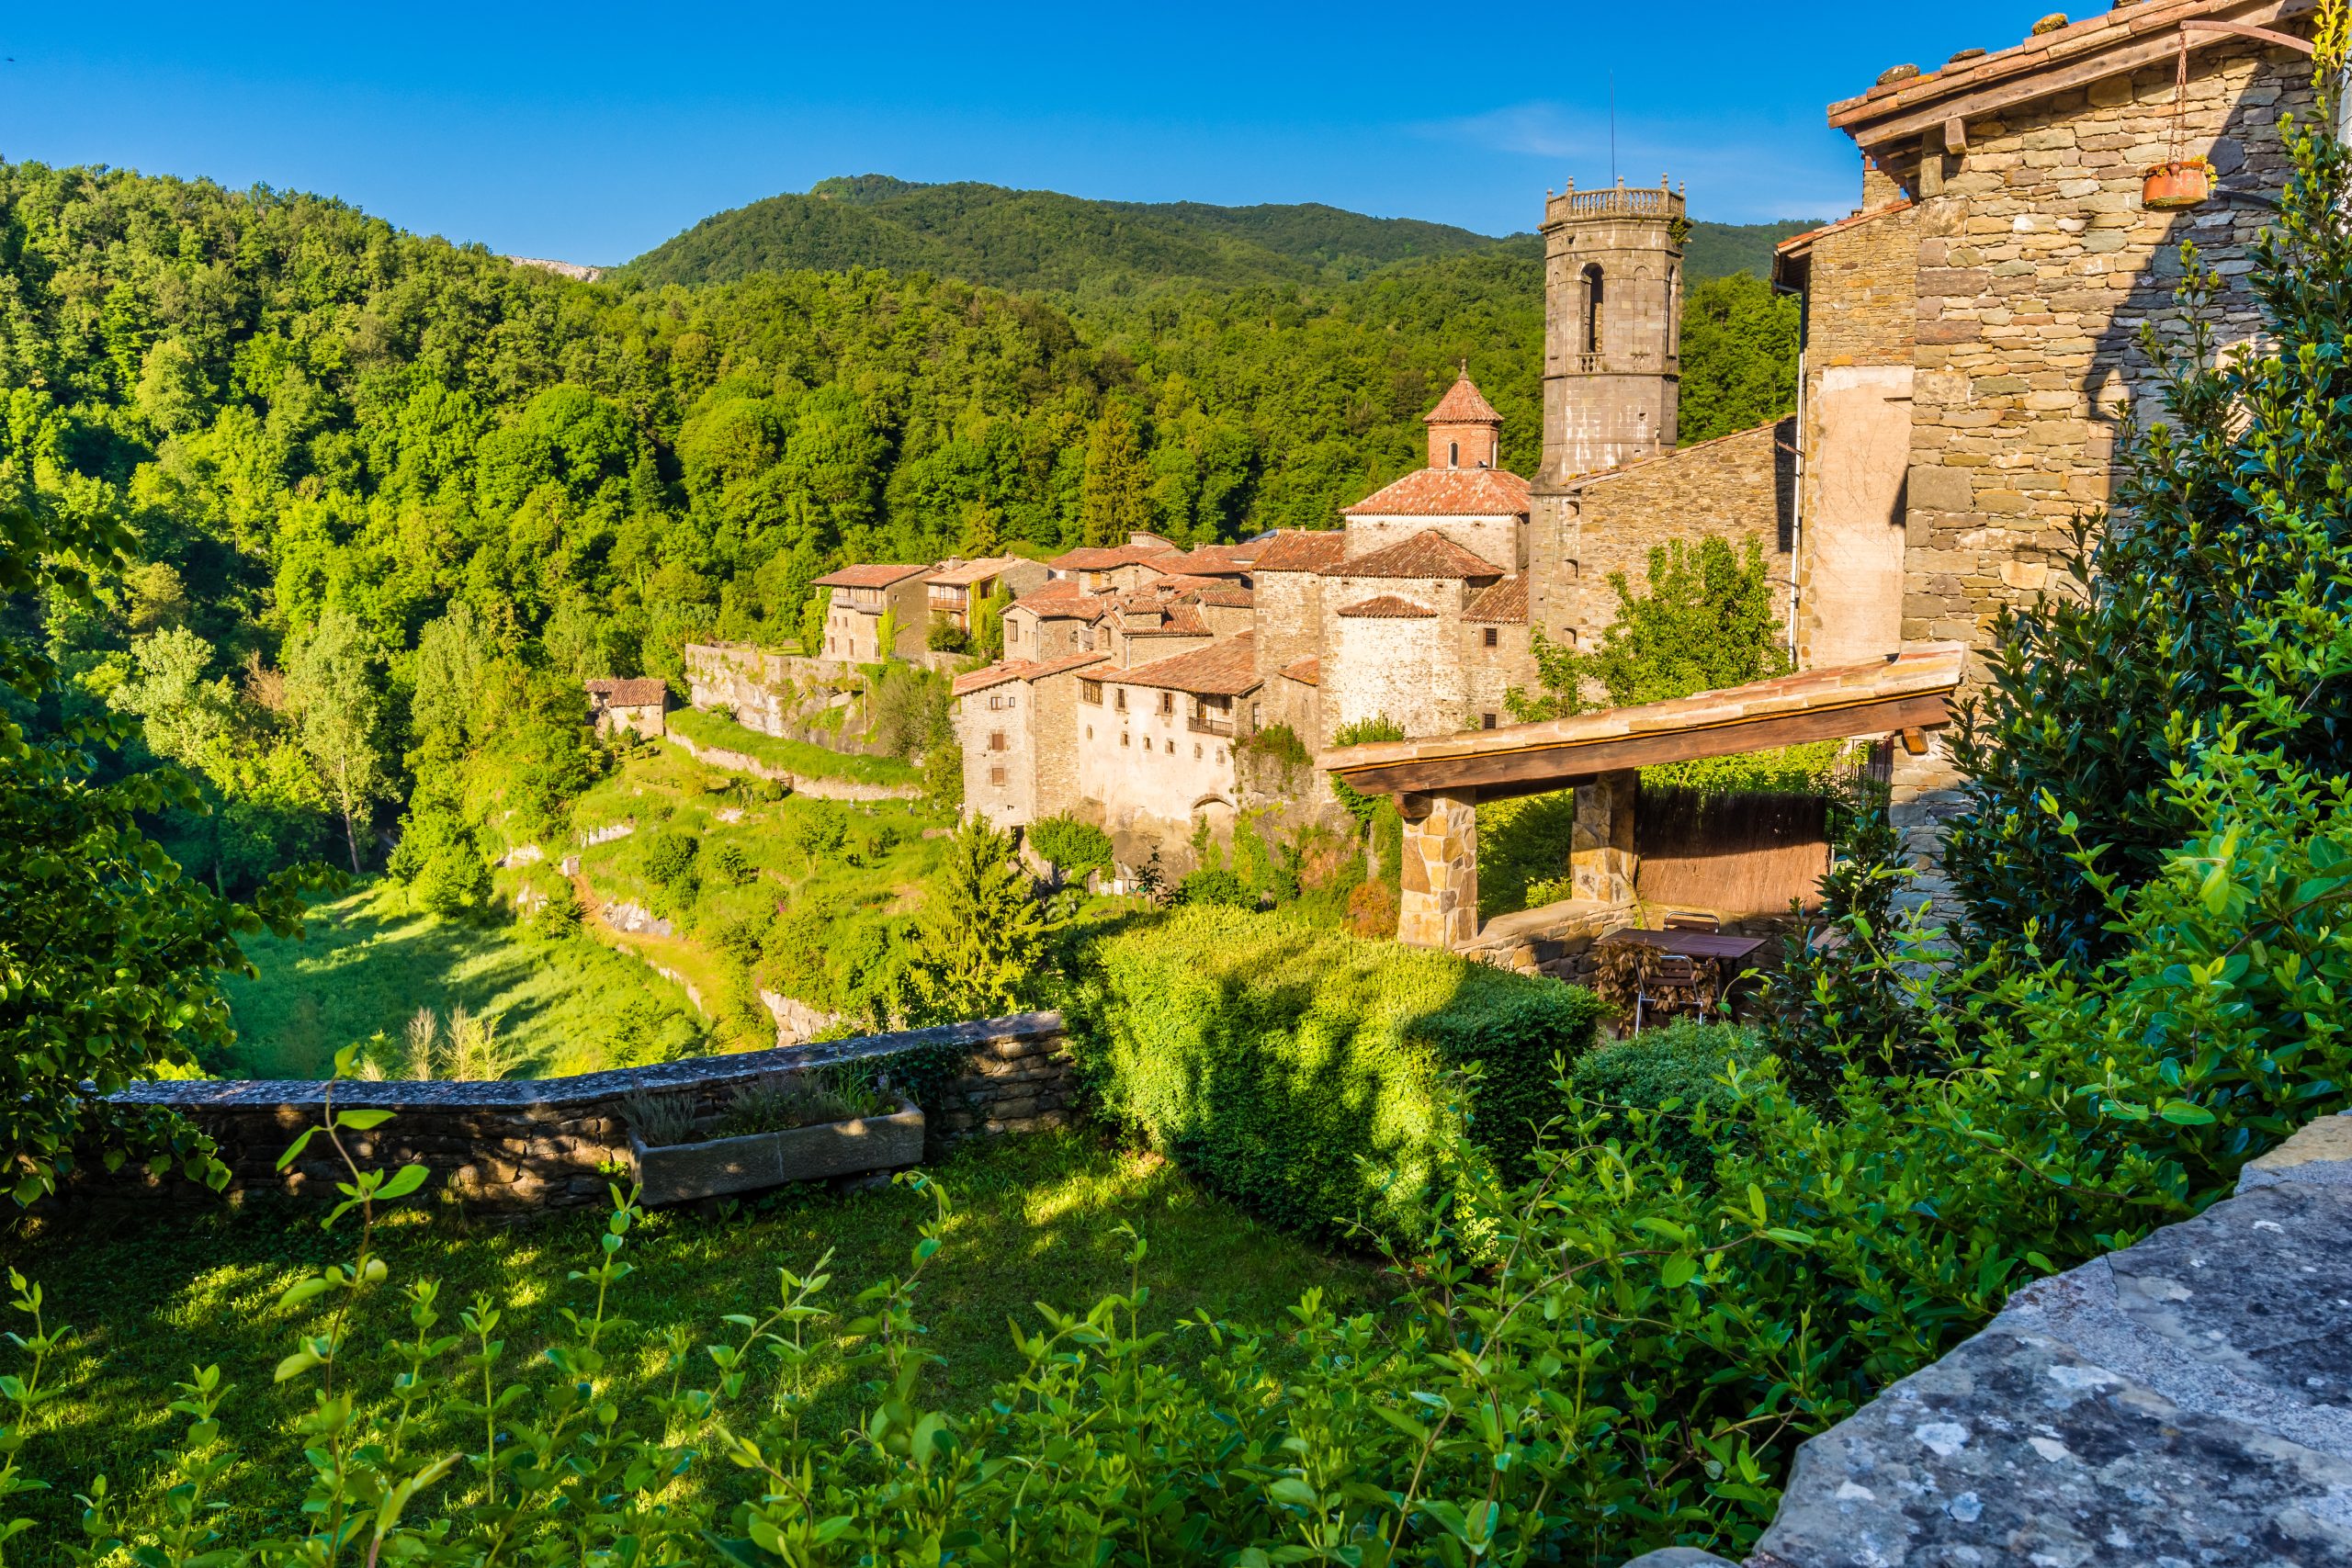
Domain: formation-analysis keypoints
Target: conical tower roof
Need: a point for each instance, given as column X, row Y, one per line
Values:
column 1463, row 404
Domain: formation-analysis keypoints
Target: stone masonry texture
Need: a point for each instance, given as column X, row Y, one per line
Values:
column 518, row 1146
column 2186, row 1400
column 1737, row 487
column 2038, row 271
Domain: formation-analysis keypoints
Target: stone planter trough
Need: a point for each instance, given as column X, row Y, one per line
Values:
column 678, row 1173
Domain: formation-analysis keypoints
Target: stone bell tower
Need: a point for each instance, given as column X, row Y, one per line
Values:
column 1613, row 367
column 1612, row 327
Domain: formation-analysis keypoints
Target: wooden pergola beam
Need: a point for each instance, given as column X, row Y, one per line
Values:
column 1542, row 765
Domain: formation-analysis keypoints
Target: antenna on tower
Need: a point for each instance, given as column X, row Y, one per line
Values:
column 1612, row 128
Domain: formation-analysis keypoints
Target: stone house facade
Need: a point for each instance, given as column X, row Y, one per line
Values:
column 1155, row 740
column 958, row 586
column 2003, row 265
column 1017, row 723
column 862, row 597
column 1592, row 527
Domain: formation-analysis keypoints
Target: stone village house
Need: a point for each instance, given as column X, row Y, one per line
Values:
column 635, row 707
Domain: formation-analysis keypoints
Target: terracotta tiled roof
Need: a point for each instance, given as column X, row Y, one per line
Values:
column 973, row 571
column 2124, row 38
column 1227, row 597
column 1447, row 493
column 1061, row 601
column 1209, row 560
column 1923, row 670
column 1463, row 404
column 1427, row 554
column 1182, row 620
column 1388, row 607
column 643, row 693
column 1300, row 549
column 876, row 576
column 1103, row 558
column 1795, row 244
column 1503, row 605
column 997, row 675
column 1306, row 671
column 1224, row 669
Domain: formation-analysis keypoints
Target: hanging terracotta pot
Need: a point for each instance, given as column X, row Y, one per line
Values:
column 2181, row 182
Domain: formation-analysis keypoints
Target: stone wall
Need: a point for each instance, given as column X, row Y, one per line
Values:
column 1151, row 772
column 1289, row 624
column 1404, row 668
column 2038, row 267
column 1862, row 299
column 526, row 1145
column 997, row 726
column 1735, row 487
column 2188, row 1400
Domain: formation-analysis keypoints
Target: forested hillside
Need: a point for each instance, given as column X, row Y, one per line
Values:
column 1045, row 242
column 395, row 497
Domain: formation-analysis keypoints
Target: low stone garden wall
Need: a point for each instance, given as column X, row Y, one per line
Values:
column 522, row 1144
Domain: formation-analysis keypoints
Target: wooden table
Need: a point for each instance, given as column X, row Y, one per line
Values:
column 1690, row 944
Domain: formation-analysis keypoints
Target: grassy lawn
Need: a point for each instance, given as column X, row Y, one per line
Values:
column 797, row 756
column 366, row 965
column 1033, row 1222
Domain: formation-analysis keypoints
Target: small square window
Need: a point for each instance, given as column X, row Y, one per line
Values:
column 1486, row 721
column 996, row 776
column 1493, row 636
column 1121, row 701
column 1089, row 732
column 1171, row 748
column 1123, row 738
column 996, row 740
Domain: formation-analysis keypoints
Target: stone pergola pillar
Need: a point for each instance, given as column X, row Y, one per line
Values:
column 1440, row 903
column 1602, row 861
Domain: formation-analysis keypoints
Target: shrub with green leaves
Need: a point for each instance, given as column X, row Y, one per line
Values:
column 670, row 856
column 1076, row 848
column 1308, row 1073
column 1216, row 887
column 1673, row 1071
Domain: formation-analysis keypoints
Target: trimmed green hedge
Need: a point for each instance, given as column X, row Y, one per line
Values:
column 1681, row 1062
column 1305, row 1073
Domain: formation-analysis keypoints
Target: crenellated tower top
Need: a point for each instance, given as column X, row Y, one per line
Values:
column 1612, row 337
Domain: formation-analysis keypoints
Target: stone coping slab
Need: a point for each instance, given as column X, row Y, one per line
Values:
column 549, row 1094
column 2187, row 1401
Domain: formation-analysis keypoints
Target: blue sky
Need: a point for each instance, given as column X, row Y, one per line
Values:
column 591, row 132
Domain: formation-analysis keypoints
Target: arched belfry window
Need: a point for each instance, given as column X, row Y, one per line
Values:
column 1592, row 306
column 1453, row 453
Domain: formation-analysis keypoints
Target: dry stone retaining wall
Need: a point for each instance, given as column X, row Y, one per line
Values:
column 518, row 1146
column 802, row 783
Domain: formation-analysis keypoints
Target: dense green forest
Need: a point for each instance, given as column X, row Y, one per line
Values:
column 395, row 497
column 1097, row 251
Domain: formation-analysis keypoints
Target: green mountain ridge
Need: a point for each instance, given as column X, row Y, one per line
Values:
column 1045, row 242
